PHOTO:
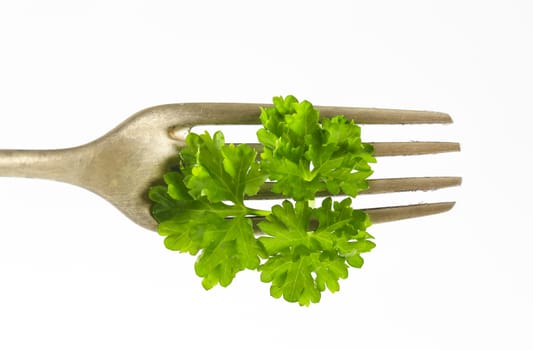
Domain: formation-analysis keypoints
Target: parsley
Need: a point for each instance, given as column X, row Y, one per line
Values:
column 302, row 250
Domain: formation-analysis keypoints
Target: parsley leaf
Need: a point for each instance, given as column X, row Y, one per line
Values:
column 194, row 219
column 304, row 261
column 221, row 172
column 232, row 248
column 304, row 156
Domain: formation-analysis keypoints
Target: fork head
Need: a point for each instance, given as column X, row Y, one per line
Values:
column 123, row 164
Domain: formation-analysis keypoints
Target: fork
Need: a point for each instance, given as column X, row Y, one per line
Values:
column 124, row 163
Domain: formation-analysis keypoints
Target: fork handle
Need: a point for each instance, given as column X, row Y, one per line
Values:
column 60, row 165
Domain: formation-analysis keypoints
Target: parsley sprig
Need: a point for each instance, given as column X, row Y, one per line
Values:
column 302, row 250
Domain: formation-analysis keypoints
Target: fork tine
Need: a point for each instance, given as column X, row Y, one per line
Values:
column 413, row 148
column 384, row 149
column 386, row 116
column 247, row 113
column 411, row 184
column 376, row 186
column 387, row 214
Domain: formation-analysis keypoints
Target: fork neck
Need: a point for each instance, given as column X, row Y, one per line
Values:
column 61, row 165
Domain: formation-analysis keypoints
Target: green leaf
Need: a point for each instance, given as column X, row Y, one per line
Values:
column 227, row 246
column 191, row 235
column 164, row 206
column 291, row 279
column 304, row 262
column 175, row 186
column 301, row 279
column 182, row 211
column 233, row 248
column 305, row 154
column 303, row 122
column 240, row 163
column 329, row 269
column 341, row 159
column 221, row 172
column 193, row 217
column 286, row 227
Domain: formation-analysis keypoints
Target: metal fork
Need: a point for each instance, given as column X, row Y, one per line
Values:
column 124, row 163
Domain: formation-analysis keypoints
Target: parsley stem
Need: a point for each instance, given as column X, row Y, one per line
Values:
column 259, row 212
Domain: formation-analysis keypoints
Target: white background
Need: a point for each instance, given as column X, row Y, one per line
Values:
column 76, row 274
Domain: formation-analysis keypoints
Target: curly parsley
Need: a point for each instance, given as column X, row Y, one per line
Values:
column 302, row 250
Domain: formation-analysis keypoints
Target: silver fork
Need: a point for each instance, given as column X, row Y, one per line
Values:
column 124, row 163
